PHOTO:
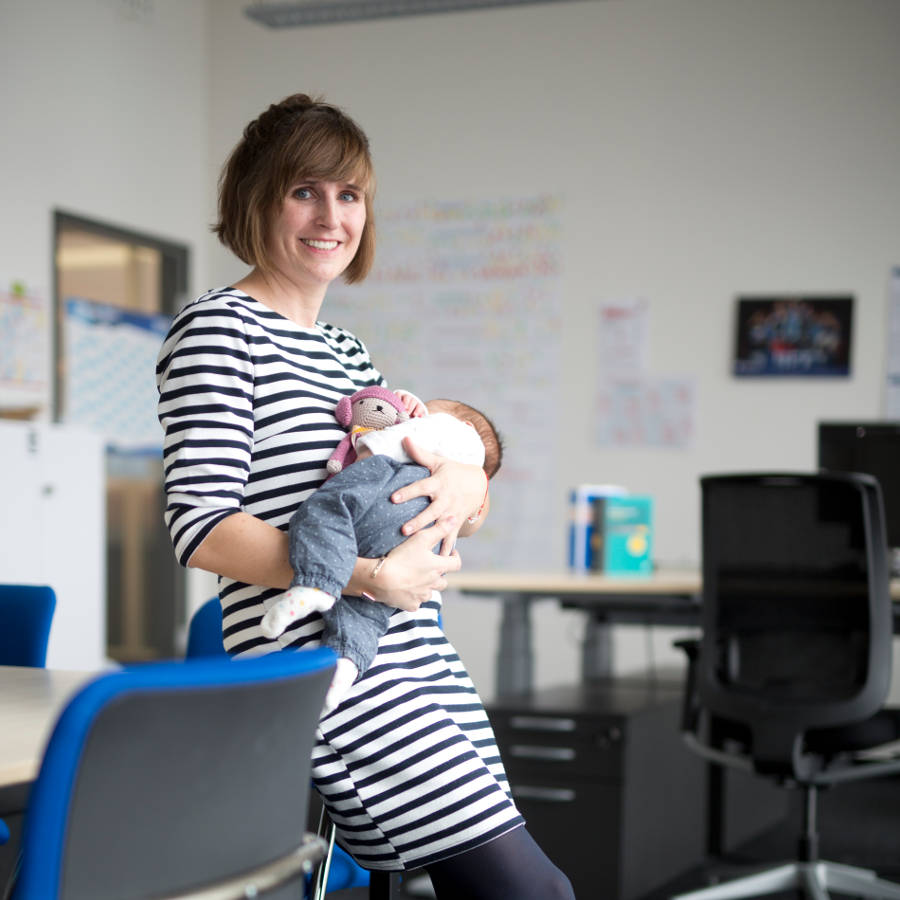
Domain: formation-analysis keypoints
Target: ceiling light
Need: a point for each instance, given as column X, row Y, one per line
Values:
column 323, row 12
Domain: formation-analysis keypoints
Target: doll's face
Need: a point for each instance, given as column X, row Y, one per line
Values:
column 374, row 412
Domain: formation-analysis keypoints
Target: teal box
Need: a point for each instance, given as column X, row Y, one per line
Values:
column 623, row 535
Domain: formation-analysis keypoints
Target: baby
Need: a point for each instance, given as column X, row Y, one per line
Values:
column 352, row 516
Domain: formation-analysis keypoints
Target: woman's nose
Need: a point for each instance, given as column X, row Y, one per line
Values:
column 327, row 212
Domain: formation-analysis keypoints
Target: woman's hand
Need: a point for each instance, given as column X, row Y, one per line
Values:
column 410, row 572
column 455, row 489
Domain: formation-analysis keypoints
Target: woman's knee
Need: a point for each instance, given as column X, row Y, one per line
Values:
column 559, row 887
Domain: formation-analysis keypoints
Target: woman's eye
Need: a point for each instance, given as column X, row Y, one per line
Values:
column 302, row 193
column 348, row 196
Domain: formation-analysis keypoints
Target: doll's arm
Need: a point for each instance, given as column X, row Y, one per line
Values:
column 339, row 456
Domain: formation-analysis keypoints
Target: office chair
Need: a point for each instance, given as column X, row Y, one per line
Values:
column 179, row 779
column 26, row 613
column 792, row 669
column 339, row 870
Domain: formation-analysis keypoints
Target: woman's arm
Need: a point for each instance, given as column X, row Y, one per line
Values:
column 410, row 572
column 455, row 489
column 247, row 549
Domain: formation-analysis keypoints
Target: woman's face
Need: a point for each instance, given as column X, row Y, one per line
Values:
column 316, row 234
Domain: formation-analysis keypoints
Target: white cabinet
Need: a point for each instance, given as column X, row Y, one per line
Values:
column 53, row 531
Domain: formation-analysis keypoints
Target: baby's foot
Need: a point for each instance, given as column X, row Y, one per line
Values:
column 294, row 603
column 345, row 673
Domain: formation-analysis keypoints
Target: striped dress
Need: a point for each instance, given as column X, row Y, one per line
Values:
column 407, row 764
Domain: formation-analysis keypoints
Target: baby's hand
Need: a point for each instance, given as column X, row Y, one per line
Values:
column 412, row 404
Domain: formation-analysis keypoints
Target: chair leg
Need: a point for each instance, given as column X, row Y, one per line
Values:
column 381, row 885
column 856, row 882
column 327, row 831
column 771, row 881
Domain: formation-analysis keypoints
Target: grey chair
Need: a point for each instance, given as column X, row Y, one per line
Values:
column 790, row 676
column 179, row 780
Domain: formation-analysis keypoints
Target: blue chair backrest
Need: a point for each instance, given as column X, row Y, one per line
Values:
column 89, row 725
column 205, row 640
column 205, row 631
column 26, row 613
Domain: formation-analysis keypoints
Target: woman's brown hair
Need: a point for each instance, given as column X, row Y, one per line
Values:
column 297, row 138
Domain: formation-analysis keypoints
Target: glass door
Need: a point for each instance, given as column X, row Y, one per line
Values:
column 115, row 293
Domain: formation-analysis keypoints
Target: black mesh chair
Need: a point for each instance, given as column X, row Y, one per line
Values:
column 789, row 678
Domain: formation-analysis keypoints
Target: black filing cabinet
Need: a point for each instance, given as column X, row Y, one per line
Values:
column 605, row 783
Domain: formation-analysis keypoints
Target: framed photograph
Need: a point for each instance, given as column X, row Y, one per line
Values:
column 793, row 336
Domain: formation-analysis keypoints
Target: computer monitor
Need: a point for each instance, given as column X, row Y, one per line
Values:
column 873, row 448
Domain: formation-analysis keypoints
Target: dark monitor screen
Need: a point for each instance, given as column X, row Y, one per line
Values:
column 873, row 448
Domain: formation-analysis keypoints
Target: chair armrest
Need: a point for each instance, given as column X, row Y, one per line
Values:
column 690, row 707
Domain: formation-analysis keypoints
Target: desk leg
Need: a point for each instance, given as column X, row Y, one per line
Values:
column 515, row 659
column 596, row 650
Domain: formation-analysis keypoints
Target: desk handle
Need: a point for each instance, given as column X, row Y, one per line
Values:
column 549, row 795
column 555, row 754
column 542, row 723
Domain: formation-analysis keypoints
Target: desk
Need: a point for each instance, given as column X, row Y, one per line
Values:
column 30, row 702
column 664, row 598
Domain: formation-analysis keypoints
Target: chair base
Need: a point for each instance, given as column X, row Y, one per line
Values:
column 815, row 879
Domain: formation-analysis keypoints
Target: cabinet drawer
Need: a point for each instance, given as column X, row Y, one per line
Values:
column 558, row 744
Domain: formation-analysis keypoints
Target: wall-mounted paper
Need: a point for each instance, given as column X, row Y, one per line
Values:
column 892, row 382
column 646, row 412
column 24, row 350
column 622, row 337
column 464, row 302
column 109, row 382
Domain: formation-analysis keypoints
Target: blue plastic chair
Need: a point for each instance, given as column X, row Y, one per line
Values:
column 205, row 640
column 205, row 631
column 26, row 613
column 167, row 777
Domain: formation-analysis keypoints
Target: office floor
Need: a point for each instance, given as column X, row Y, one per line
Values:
column 859, row 825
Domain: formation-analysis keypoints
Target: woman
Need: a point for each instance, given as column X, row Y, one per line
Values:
column 249, row 379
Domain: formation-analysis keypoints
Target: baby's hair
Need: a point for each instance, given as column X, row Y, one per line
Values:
column 490, row 437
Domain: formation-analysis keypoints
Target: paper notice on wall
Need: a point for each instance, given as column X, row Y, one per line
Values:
column 24, row 349
column 465, row 301
column 109, row 383
column 646, row 412
column 892, row 383
column 622, row 336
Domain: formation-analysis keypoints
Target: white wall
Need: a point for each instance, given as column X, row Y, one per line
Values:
column 104, row 112
column 703, row 148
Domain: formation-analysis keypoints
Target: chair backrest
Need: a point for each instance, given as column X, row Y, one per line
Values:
column 170, row 775
column 26, row 614
column 797, row 619
column 205, row 631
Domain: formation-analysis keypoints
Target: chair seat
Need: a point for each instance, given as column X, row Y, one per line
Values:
column 882, row 728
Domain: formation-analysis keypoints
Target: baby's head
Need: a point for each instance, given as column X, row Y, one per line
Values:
column 493, row 443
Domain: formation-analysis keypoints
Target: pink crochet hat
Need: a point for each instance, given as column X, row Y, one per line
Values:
column 342, row 411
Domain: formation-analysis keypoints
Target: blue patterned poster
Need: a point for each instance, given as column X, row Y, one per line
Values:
column 109, row 382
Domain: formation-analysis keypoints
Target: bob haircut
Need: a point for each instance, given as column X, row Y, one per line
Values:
column 295, row 139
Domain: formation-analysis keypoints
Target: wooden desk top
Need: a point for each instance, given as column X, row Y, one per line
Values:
column 30, row 702
column 563, row 584
column 675, row 582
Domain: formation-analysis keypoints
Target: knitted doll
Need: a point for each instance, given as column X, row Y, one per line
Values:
column 366, row 410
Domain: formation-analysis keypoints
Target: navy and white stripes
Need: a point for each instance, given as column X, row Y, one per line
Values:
column 407, row 763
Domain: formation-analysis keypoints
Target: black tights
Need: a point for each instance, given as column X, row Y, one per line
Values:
column 511, row 867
